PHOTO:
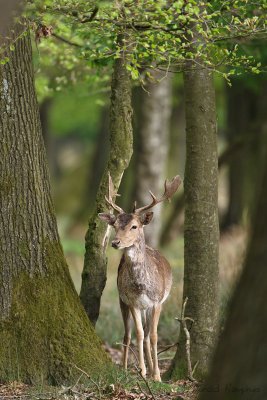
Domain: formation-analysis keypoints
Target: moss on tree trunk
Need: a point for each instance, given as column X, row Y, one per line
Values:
column 44, row 330
column 121, row 141
column 201, row 221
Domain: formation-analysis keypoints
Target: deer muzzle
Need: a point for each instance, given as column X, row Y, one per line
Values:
column 115, row 243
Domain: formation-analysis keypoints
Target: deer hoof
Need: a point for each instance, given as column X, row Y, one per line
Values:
column 157, row 378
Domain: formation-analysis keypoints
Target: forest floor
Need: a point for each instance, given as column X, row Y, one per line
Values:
column 119, row 385
column 132, row 388
column 130, row 385
column 180, row 390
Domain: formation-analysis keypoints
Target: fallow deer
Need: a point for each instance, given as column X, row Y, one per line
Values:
column 144, row 276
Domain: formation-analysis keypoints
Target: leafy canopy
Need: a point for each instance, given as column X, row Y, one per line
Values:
column 167, row 35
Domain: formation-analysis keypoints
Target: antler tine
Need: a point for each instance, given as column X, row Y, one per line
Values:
column 170, row 189
column 112, row 194
column 134, row 207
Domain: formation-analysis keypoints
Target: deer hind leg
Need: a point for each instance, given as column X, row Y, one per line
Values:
column 154, row 340
column 126, row 316
column 137, row 317
column 147, row 347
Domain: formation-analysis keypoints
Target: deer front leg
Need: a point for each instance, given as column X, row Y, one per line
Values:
column 147, row 347
column 125, row 311
column 154, row 341
column 137, row 317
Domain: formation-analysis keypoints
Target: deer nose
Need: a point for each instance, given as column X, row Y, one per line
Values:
column 115, row 243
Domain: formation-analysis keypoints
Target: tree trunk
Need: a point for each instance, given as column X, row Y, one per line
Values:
column 95, row 262
column 238, row 124
column 153, row 148
column 239, row 367
column 201, row 221
column 96, row 168
column 44, row 330
column 245, row 125
column 173, row 223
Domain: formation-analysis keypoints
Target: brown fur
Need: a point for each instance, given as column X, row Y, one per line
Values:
column 144, row 276
column 144, row 282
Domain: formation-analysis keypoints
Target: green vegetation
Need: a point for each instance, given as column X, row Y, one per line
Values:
column 94, row 64
column 65, row 106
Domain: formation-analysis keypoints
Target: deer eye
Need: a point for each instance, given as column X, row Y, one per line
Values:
column 134, row 227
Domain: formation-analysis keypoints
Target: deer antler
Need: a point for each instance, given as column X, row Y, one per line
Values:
column 112, row 194
column 170, row 189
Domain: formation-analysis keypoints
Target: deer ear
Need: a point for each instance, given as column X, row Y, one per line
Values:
column 108, row 218
column 146, row 217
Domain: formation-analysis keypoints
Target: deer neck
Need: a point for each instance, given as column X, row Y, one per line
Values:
column 136, row 254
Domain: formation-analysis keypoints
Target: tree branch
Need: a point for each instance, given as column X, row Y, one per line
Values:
column 67, row 41
column 182, row 321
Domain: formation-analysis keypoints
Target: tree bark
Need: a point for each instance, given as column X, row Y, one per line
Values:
column 153, row 148
column 201, row 221
column 239, row 368
column 121, row 142
column 44, row 330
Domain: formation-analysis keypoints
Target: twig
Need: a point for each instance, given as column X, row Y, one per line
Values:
column 64, row 40
column 195, row 367
column 81, row 370
column 139, row 371
column 132, row 350
column 146, row 382
column 140, row 388
column 91, row 379
column 168, row 347
column 92, row 16
column 182, row 321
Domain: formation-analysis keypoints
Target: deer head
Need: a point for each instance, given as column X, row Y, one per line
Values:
column 129, row 227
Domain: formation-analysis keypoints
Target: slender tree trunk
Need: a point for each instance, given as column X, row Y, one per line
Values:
column 176, row 155
column 97, row 166
column 239, row 368
column 201, row 221
column 95, row 262
column 153, row 148
column 44, row 330
column 238, row 124
column 173, row 223
column 244, row 125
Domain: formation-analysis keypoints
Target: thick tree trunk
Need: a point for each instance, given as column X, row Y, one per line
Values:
column 201, row 221
column 95, row 262
column 239, row 367
column 44, row 330
column 153, row 146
